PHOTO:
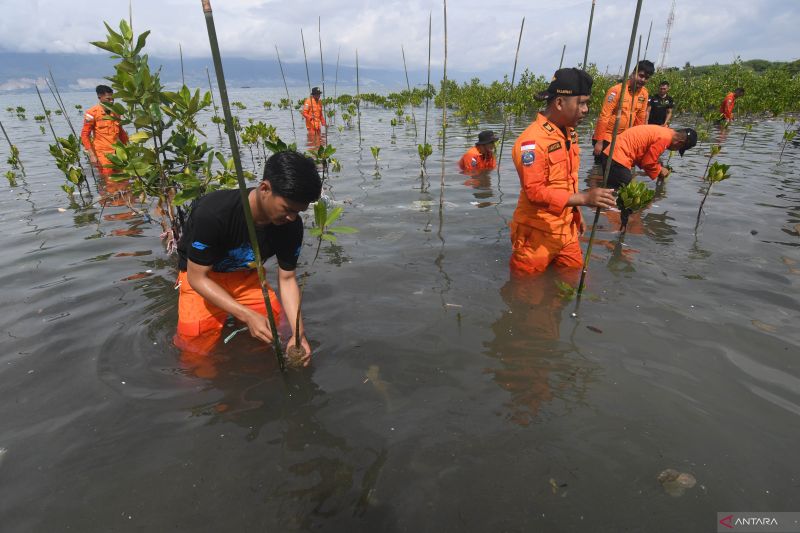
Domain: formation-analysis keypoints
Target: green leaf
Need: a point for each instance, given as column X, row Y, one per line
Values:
column 328, row 237
column 333, row 216
column 342, row 229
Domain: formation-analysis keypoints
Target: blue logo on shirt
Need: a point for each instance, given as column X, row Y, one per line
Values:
column 199, row 245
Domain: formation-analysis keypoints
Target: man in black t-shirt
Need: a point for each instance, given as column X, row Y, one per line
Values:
column 217, row 270
column 659, row 107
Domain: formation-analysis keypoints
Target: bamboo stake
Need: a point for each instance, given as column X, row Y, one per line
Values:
column 60, row 101
column 251, row 229
column 358, row 100
column 180, row 52
column 11, row 147
column 213, row 101
column 444, row 111
column 633, row 102
column 585, row 268
column 428, row 85
column 322, row 71
column 305, row 58
column 647, row 45
column 291, row 113
column 53, row 131
column 510, row 92
column 336, row 81
column 588, row 37
column 563, row 49
column 408, row 86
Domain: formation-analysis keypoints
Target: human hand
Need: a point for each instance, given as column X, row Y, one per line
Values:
column 92, row 158
column 664, row 172
column 599, row 197
column 306, row 347
column 598, row 148
column 258, row 326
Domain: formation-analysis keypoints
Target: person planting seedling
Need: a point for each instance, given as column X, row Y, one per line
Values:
column 481, row 156
column 728, row 103
column 642, row 146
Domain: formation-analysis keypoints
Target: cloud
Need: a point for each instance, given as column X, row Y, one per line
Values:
column 22, row 83
column 87, row 83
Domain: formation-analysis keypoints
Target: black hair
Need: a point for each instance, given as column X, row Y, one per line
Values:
column 646, row 66
column 739, row 90
column 665, row 82
column 103, row 89
column 293, row 176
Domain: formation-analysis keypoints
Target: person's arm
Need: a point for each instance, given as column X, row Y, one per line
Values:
column 669, row 116
column 322, row 114
column 290, row 300
column 306, row 111
column 641, row 113
column 123, row 136
column 212, row 292
column 649, row 162
column 87, row 132
column 647, row 114
column 600, row 131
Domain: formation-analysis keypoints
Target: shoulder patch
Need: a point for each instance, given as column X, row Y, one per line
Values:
column 641, row 98
column 87, row 117
column 528, row 157
column 611, row 96
column 553, row 147
column 474, row 162
column 548, row 127
column 527, row 145
column 199, row 245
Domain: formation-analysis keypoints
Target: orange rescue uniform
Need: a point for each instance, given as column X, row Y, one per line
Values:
column 544, row 229
column 473, row 160
column 100, row 133
column 642, row 146
column 635, row 106
column 726, row 108
column 312, row 112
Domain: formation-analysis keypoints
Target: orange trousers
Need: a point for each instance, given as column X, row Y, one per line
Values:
column 200, row 322
column 533, row 250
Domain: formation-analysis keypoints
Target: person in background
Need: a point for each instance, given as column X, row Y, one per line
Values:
column 313, row 113
column 217, row 275
column 101, row 130
column 726, row 108
column 660, row 106
column 642, row 146
column 481, row 156
column 547, row 222
column 634, row 107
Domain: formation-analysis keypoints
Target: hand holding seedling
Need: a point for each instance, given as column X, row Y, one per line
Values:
column 594, row 197
column 257, row 325
column 664, row 172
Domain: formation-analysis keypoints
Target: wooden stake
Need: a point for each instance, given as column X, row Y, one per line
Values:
column 585, row 65
column 563, row 49
column 213, row 101
column 305, row 58
column 358, row 100
column 180, row 51
column 510, row 91
column 408, row 86
column 291, row 112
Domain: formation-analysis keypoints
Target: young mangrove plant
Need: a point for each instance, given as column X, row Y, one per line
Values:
column 716, row 173
column 715, row 150
column 67, row 153
column 788, row 135
column 633, row 196
column 295, row 354
column 747, row 129
column 323, row 229
column 424, row 151
column 375, row 151
column 323, row 156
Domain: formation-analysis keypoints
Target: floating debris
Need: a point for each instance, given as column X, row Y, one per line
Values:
column 596, row 330
column 676, row 483
column 763, row 326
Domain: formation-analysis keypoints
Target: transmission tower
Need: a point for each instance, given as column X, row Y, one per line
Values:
column 667, row 40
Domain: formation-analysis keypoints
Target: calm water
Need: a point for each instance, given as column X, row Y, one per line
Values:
column 442, row 396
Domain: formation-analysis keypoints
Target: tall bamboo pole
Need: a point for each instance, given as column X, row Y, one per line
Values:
column 636, row 70
column 510, row 92
column 358, row 100
column 213, row 101
column 11, row 147
column 180, row 52
column 336, row 82
column 444, row 111
column 408, row 86
column 55, row 137
column 305, row 58
column 251, row 228
column 291, row 113
column 588, row 37
column 428, row 85
column 585, row 268
column 322, row 72
column 563, row 49
column 647, row 45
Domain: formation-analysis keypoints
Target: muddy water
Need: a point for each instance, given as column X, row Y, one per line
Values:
column 443, row 396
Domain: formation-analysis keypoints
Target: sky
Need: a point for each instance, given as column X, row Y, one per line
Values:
column 481, row 35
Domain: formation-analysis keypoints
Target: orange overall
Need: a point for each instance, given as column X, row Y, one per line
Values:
column 635, row 106
column 642, row 146
column 544, row 229
column 100, row 133
column 726, row 108
column 312, row 112
column 474, row 161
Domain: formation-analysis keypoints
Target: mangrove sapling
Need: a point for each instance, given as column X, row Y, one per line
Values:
column 11, row 177
column 251, row 229
column 788, row 135
column 67, row 153
column 375, row 151
column 747, row 129
column 424, row 151
column 13, row 158
column 215, row 119
column 323, row 156
column 323, row 229
column 716, row 173
column 633, row 196
column 715, row 150
column 296, row 354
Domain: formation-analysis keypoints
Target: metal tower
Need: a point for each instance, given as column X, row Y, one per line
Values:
column 667, row 40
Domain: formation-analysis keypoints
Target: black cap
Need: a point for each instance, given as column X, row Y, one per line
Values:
column 316, row 90
column 486, row 137
column 691, row 139
column 570, row 82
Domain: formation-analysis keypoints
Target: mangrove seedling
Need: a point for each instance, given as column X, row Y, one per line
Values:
column 267, row 104
column 296, row 353
column 424, row 151
column 715, row 150
column 565, row 291
column 788, row 135
column 632, row 197
column 716, row 173
column 323, row 156
column 12, row 178
column 13, row 159
column 375, row 151
column 323, row 229
column 238, row 105
column 747, row 130
column 67, row 154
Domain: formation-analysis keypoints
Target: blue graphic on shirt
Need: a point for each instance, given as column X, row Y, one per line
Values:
column 241, row 258
column 199, row 245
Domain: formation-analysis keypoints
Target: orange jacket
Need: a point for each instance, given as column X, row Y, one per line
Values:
column 636, row 106
column 100, row 133
column 642, row 146
column 726, row 108
column 473, row 161
column 312, row 112
column 547, row 164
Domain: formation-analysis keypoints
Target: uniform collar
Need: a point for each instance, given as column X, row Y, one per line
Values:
column 551, row 128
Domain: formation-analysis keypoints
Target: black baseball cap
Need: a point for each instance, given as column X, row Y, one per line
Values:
column 691, row 139
column 570, row 82
column 486, row 137
column 316, row 90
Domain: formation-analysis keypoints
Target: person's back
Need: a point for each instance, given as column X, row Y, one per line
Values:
column 728, row 103
column 641, row 144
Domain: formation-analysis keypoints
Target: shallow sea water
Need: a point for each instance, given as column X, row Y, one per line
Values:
column 443, row 396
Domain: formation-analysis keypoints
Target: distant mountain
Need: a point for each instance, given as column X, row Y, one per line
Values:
column 84, row 71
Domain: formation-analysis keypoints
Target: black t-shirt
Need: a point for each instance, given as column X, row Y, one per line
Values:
column 216, row 236
column 658, row 109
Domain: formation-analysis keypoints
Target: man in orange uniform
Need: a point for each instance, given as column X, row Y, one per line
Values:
column 217, row 274
column 100, row 131
column 634, row 107
column 642, row 146
column 312, row 112
column 726, row 108
column 481, row 156
column 547, row 222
